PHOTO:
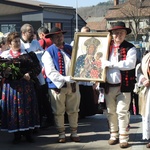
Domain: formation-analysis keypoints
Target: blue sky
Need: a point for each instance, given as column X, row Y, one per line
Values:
column 72, row 3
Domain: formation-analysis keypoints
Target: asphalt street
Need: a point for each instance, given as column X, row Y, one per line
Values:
column 92, row 130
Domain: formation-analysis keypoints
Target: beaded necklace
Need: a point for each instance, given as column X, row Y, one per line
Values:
column 15, row 54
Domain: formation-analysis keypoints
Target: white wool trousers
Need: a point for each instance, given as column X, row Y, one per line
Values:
column 118, row 110
column 65, row 101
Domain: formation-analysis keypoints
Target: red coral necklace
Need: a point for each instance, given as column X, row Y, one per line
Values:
column 15, row 54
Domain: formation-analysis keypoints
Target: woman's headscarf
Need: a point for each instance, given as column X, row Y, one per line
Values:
column 145, row 65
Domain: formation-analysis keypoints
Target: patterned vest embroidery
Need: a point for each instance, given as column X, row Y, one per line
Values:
column 61, row 63
column 127, row 77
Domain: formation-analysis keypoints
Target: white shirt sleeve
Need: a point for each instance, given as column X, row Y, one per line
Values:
column 51, row 72
column 130, row 61
column 5, row 54
column 139, row 75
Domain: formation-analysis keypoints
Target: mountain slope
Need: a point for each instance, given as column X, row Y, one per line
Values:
column 98, row 10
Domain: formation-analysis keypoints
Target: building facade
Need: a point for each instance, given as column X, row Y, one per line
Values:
column 14, row 13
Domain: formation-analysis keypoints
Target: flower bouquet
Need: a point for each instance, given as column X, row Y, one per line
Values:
column 10, row 68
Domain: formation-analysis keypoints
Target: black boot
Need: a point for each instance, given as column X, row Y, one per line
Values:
column 17, row 137
column 29, row 136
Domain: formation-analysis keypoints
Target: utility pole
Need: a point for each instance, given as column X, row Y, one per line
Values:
column 76, row 30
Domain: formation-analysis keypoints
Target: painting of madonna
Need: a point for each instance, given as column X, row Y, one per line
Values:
column 89, row 65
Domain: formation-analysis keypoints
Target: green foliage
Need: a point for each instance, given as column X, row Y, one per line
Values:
column 10, row 68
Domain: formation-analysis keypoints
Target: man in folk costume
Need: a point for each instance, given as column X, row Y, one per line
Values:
column 143, row 80
column 120, row 82
column 63, row 91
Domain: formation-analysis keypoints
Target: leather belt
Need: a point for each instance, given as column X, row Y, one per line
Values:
column 57, row 90
column 73, row 86
column 113, row 85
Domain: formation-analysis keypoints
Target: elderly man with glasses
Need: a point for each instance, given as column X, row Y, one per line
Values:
column 120, row 83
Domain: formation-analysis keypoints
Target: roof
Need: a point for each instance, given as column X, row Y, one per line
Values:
column 94, row 19
column 10, row 7
column 98, row 25
column 145, row 3
column 30, row 2
column 35, row 3
column 122, row 10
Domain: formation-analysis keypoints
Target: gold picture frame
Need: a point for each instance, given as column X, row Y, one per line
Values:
column 85, row 65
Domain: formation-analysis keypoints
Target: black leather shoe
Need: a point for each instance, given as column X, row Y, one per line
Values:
column 17, row 138
column 16, row 141
column 29, row 137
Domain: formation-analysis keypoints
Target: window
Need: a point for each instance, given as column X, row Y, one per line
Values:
column 5, row 28
column 48, row 26
column 59, row 25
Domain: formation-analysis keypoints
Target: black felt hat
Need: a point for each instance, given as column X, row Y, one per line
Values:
column 54, row 30
column 120, row 25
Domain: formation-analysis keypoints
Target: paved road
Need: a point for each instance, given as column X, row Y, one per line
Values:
column 92, row 130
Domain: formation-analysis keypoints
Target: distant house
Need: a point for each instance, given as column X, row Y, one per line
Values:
column 124, row 11
column 14, row 13
column 138, row 10
column 96, row 24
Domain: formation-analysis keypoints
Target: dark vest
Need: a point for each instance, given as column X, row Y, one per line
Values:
column 127, row 77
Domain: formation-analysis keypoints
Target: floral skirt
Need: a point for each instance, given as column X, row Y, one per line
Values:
column 19, row 106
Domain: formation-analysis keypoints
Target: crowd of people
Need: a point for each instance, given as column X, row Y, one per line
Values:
column 36, row 83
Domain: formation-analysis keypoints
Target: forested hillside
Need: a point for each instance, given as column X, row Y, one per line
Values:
column 98, row 10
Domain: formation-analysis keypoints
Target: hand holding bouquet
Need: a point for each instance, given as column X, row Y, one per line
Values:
column 9, row 67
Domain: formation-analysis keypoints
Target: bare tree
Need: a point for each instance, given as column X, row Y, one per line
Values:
column 135, row 11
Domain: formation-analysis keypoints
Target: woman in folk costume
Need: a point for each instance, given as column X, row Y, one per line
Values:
column 19, row 103
column 143, row 77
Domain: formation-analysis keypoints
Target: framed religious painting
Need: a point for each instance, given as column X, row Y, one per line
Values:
column 89, row 52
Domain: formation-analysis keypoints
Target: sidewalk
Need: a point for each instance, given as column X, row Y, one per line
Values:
column 93, row 132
